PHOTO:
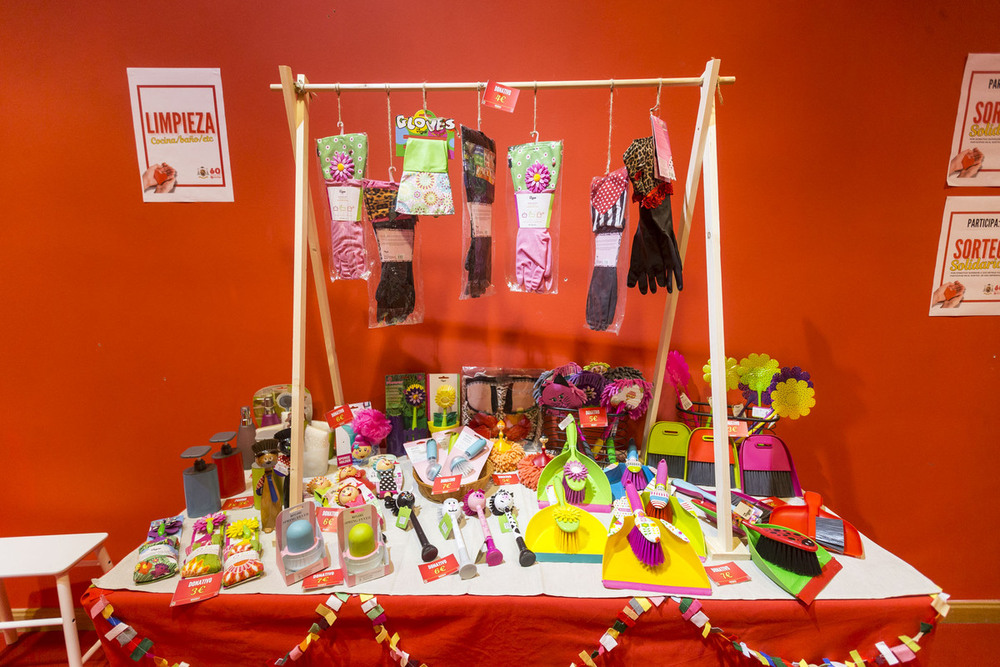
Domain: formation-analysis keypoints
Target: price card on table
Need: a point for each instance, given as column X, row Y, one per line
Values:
column 504, row 478
column 339, row 416
column 441, row 567
column 446, row 484
column 324, row 578
column 593, row 417
column 237, row 503
column 196, row 589
column 727, row 573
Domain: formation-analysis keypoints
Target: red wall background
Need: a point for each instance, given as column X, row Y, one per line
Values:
column 134, row 331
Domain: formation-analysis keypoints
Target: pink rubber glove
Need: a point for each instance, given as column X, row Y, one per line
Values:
column 347, row 249
column 533, row 259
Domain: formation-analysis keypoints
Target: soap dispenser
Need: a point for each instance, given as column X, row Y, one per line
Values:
column 246, row 436
column 229, row 465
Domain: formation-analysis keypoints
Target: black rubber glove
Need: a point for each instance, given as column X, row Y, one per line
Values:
column 655, row 260
column 479, row 170
column 479, row 265
column 395, row 295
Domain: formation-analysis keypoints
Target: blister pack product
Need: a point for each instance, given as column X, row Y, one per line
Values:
column 655, row 258
column 608, row 221
column 395, row 293
column 424, row 188
column 479, row 164
column 242, row 556
column 534, row 198
column 204, row 555
column 343, row 159
column 159, row 554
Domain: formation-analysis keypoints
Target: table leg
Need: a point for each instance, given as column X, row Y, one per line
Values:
column 68, row 612
column 9, row 634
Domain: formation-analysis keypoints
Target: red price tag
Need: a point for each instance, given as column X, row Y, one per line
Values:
column 503, row 478
column 593, row 417
column 439, row 568
column 241, row 503
column 499, row 96
column 324, row 578
column 728, row 573
column 327, row 518
column 736, row 428
column 339, row 416
column 196, row 589
column 446, row 484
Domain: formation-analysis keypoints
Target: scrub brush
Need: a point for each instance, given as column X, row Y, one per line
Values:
column 473, row 504
column 633, row 468
column 502, row 503
column 575, row 481
column 644, row 538
column 433, row 467
column 567, row 519
column 461, row 463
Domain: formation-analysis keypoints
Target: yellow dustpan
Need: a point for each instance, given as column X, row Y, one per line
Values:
column 552, row 544
column 683, row 520
column 680, row 573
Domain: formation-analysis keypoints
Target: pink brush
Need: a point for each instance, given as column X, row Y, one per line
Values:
column 658, row 495
column 633, row 468
column 644, row 538
column 475, row 502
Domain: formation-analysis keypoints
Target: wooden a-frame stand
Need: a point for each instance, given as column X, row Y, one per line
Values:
column 703, row 162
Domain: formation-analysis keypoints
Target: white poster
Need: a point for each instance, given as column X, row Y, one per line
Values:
column 975, row 149
column 967, row 272
column 180, row 134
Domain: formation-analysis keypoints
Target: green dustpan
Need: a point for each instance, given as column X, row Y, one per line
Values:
column 597, row 495
column 804, row 588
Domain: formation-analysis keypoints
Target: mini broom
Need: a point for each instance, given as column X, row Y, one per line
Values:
column 644, row 538
column 787, row 549
column 633, row 468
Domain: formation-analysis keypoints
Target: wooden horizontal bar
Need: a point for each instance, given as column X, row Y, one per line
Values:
column 690, row 81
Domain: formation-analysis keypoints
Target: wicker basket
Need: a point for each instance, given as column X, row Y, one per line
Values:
column 479, row 485
column 627, row 428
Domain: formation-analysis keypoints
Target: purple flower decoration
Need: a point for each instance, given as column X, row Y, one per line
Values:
column 341, row 167
column 165, row 527
column 786, row 373
column 537, row 177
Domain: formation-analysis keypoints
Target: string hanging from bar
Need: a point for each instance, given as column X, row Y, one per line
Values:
column 388, row 113
column 340, row 121
column 656, row 107
column 534, row 120
column 479, row 108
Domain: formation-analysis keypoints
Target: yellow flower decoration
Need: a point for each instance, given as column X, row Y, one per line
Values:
column 732, row 373
column 445, row 396
column 242, row 528
column 793, row 398
column 756, row 372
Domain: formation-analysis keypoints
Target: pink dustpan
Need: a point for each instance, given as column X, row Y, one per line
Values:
column 766, row 468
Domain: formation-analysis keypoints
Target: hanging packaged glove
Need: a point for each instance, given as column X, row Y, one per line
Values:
column 655, row 258
column 534, row 171
column 609, row 218
column 479, row 163
column 343, row 159
column 394, row 296
column 424, row 188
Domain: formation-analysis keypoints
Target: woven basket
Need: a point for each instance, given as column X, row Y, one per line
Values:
column 479, row 485
column 627, row 428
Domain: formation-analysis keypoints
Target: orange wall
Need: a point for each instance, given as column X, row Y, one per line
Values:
column 134, row 331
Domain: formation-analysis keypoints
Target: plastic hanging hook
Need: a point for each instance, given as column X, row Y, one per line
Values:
column 534, row 121
column 340, row 122
column 611, row 110
column 659, row 87
column 388, row 113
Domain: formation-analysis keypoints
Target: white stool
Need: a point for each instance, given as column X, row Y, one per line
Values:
column 49, row 555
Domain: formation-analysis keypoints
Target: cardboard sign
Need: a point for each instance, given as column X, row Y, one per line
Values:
column 736, row 429
column 499, row 96
column 727, row 573
column 241, row 503
column 439, row 568
column 327, row 517
column 196, row 589
column 593, row 417
column 323, row 579
column 339, row 416
column 446, row 484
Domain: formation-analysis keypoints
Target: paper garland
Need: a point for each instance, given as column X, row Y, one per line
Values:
column 126, row 636
column 691, row 610
column 328, row 614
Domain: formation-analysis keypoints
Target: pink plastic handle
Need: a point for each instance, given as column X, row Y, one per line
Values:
column 661, row 473
column 633, row 498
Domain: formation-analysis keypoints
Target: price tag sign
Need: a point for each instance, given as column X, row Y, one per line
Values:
column 344, row 460
column 737, row 409
column 686, row 402
column 565, row 422
column 504, row 478
column 339, row 416
column 196, row 589
column 593, row 417
column 439, row 568
column 446, row 484
column 238, row 503
column 444, row 525
column 759, row 412
column 327, row 517
column 499, row 96
column 727, row 573
column 403, row 518
column 736, row 428
column 323, row 579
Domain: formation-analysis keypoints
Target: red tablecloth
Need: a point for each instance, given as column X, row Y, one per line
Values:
column 521, row 631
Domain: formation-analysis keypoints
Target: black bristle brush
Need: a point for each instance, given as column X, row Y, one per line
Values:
column 788, row 549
